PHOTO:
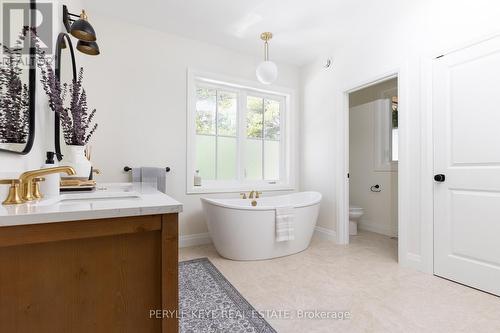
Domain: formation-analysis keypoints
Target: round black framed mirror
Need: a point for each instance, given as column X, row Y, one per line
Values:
column 17, row 77
column 63, row 44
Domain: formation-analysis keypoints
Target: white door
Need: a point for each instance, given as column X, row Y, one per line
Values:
column 466, row 107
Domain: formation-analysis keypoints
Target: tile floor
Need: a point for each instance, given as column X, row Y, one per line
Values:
column 362, row 278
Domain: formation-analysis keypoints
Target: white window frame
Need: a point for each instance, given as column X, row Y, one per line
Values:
column 243, row 89
column 382, row 141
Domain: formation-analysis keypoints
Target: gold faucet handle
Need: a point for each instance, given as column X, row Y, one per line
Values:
column 37, row 194
column 13, row 198
column 9, row 181
column 243, row 195
column 257, row 195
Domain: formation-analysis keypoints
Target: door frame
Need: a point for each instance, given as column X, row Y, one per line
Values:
column 416, row 164
column 403, row 186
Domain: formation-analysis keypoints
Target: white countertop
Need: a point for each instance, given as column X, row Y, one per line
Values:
column 107, row 201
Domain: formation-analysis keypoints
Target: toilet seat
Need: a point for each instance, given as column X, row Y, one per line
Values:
column 355, row 214
column 355, row 209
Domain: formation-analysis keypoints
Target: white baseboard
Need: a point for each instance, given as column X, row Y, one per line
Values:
column 376, row 229
column 414, row 261
column 194, row 240
column 325, row 233
column 414, row 257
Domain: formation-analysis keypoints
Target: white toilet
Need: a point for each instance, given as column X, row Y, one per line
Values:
column 355, row 214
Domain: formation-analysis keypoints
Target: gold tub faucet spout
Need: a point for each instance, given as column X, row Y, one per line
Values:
column 26, row 180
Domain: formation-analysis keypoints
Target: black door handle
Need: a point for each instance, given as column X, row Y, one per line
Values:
column 440, row 178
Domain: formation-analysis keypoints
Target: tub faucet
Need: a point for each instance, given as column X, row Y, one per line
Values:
column 254, row 194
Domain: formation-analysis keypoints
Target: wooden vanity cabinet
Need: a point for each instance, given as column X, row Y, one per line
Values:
column 103, row 275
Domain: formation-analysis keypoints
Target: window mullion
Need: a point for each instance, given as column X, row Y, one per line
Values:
column 284, row 140
column 242, row 112
column 263, row 136
column 216, row 133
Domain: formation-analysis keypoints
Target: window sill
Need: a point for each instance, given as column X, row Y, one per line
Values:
column 238, row 188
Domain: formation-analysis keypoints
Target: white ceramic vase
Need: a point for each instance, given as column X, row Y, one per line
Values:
column 76, row 158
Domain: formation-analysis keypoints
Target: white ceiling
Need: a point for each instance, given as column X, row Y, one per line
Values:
column 303, row 29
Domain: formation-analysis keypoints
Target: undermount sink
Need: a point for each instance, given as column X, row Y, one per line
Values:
column 67, row 198
column 98, row 195
column 101, row 194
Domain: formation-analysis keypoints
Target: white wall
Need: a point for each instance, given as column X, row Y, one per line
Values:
column 407, row 38
column 380, row 208
column 138, row 85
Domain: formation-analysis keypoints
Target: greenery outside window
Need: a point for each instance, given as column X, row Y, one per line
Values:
column 394, row 129
column 239, row 138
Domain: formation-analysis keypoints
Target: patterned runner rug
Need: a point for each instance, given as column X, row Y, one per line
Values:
column 209, row 303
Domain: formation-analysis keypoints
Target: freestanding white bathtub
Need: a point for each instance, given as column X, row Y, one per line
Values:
column 242, row 232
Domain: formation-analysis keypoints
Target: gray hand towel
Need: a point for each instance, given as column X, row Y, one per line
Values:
column 149, row 175
column 136, row 175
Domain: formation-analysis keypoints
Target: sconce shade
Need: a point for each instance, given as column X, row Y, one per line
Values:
column 267, row 72
column 90, row 48
column 83, row 30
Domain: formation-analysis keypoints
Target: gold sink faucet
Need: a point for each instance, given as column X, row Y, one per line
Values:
column 26, row 188
column 27, row 184
column 13, row 197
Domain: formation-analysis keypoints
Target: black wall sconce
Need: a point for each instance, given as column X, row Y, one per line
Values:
column 82, row 30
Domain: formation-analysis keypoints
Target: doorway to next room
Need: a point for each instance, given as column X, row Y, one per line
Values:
column 373, row 160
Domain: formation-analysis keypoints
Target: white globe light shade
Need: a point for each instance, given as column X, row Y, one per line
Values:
column 267, row 72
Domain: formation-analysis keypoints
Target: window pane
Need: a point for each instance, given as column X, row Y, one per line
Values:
column 253, row 159
column 395, row 112
column 205, row 111
column 272, row 119
column 395, row 144
column 272, row 160
column 226, row 158
column 227, row 110
column 395, row 133
column 254, row 117
column 205, row 156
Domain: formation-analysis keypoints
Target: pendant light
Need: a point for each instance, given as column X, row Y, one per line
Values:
column 267, row 71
